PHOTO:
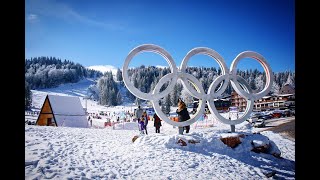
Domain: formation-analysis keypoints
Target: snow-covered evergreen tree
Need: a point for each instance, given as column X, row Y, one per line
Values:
column 175, row 94
column 290, row 80
column 275, row 88
column 27, row 96
column 252, row 84
column 119, row 75
column 137, row 101
column 108, row 90
column 119, row 98
column 167, row 104
column 93, row 92
column 259, row 83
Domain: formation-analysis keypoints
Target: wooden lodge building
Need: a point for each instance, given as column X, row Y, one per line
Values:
column 280, row 101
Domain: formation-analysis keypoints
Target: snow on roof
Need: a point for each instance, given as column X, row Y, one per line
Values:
column 68, row 111
column 221, row 99
column 266, row 97
column 285, row 94
column 71, row 121
column 66, row 105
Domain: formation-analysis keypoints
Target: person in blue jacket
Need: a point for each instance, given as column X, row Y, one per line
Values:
column 144, row 117
column 141, row 126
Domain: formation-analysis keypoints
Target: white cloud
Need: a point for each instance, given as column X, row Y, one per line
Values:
column 65, row 12
column 32, row 17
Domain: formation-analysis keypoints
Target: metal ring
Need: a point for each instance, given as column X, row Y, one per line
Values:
column 237, row 82
column 148, row 48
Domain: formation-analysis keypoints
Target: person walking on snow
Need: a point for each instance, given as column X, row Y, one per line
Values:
column 145, row 120
column 138, row 113
column 157, row 122
column 141, row 126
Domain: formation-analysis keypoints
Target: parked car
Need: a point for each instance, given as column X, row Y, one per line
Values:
column 278, row 114
column 288, row 112
column 265, row 116
column 254, row 117
column 259, row 123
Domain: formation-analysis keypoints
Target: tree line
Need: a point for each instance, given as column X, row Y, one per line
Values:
column 44, row 72
column 48, row 72
column 146, row 78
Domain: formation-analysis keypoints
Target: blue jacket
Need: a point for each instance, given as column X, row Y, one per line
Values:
column 141, row 123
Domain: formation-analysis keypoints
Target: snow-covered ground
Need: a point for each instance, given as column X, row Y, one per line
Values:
column 109, row 153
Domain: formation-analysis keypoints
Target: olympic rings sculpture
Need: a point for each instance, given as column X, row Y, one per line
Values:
column 238, row 83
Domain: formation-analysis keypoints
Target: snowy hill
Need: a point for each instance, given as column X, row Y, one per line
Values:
column 75, row 89
column 71, row 89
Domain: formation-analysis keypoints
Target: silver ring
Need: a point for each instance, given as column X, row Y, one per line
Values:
column 237, row 82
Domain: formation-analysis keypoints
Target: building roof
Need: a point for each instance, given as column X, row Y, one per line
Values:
column 266, row 97
column 66, row 105
column 68, row 111
column 285, row 94
column 220, row 99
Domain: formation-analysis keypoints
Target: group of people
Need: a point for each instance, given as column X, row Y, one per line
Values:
column 142, row 120
column 142, row 117
column 183, row 115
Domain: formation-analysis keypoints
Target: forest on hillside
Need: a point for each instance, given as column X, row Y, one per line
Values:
column 107, row 92
column 45, row 72
column 48, row 72
column 145, row 78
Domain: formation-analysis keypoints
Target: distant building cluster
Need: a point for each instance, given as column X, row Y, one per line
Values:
column 284, row 100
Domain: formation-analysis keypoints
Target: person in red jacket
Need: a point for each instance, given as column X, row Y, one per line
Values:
column 157, row 122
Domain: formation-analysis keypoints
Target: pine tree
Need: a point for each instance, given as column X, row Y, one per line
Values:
column 167, row 104
column 259, row 82
column 289, row 80
column 119, row 75
column 275, row 88
column 137, row 101
column 93, row 92
column 27, row 96
column 252, row 84
column 119, row 98
column 174, row 95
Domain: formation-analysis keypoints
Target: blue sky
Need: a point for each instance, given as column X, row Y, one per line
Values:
column 104, row 32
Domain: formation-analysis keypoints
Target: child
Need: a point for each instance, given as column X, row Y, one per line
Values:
column 141, row 126
column 145, row 120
